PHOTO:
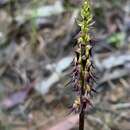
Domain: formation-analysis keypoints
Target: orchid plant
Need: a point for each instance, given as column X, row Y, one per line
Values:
column 83, row 73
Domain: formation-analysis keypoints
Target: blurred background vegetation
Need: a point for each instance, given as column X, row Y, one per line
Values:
column 36, row 51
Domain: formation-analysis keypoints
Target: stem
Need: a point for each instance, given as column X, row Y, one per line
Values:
column 81, row 120
column 81, row 115
column 12, row 9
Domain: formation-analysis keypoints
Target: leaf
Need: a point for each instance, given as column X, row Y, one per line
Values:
column 116, row 39
column 17, row 97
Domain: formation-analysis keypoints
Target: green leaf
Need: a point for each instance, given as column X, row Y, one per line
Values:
column 116, row 39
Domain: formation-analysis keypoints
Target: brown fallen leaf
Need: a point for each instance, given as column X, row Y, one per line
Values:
column 17, row 97
column 67, row 124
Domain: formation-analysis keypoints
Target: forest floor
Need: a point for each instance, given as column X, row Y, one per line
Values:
column 36, row 51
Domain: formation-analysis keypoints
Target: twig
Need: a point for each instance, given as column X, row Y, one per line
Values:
column 121, row 106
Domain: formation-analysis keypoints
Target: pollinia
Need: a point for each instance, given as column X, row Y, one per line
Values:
column 83, row 75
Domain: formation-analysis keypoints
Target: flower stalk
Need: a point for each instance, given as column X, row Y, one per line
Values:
column 83, row 72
